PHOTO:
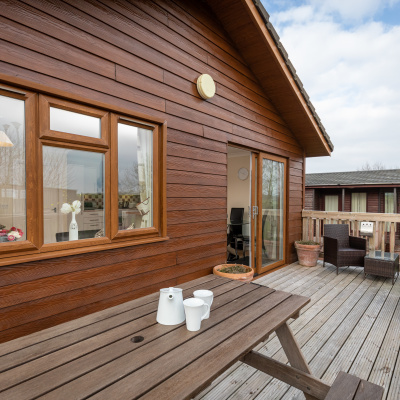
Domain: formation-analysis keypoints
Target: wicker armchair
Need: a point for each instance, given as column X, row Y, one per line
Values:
column 341, row 249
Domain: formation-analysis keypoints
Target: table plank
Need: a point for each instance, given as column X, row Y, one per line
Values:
column 29, row 340
column 206, row 368
column 94, row 356
column 105, row 355
column 151, row 359
column 122, row 314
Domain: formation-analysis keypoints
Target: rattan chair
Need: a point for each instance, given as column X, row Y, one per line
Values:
column 341, row 249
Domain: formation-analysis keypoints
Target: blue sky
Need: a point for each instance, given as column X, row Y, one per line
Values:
column 347, row 54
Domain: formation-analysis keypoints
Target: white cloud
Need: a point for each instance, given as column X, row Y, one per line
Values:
column 352, row 74
column 351, row 9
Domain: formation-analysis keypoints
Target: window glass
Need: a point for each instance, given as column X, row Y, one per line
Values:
column 331, row 203
column 359, row 202
column 273, row 184
column 12, row 167
column 76, row 123
column 135, row 177
column 389, row 207
column 73, row 191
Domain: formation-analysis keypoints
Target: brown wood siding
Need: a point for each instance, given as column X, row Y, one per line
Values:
column 144, row 56
column 309, row 201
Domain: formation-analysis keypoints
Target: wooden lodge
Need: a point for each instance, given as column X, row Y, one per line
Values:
column 373, row 191
column 120, row 166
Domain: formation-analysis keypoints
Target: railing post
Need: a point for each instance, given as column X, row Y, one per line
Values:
column 356, row 230
column 371, row 239
column 310, row 229
column 392, row 237
column 383, row 236
column 305, row 228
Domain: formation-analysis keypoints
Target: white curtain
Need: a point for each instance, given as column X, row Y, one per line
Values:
column 145, row 172
column 332, row 203
column 359, row 202
column 389, row 207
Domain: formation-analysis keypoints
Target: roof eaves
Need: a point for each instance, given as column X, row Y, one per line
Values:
column 265, row 16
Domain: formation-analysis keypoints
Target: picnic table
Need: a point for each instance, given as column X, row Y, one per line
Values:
column 123, row 353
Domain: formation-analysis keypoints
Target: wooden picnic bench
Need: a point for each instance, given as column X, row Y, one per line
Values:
column 350, row 387
column 122, row 353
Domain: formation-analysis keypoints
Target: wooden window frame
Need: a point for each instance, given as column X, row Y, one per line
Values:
column 38, row 134
column 30, row 159
column 81, row 242
column 45, row 102
column 139, row 233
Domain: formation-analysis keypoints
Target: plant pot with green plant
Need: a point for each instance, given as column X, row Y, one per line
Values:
column 307, row 252
column 239, row 272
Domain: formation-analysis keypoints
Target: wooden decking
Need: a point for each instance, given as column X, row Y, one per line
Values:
column 351, row 324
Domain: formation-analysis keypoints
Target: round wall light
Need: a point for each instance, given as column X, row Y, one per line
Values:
column 206, row 86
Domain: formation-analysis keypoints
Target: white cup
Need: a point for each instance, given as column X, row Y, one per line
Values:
column 194, row 310
column 207, row 296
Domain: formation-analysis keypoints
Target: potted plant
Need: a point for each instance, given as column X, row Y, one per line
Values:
column 10, row 235
column 240, row 272
column 307, row 252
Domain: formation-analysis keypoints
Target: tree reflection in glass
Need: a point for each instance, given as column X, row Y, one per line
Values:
column 12, row 166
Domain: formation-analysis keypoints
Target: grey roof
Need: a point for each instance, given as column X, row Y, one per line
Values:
column 375, row 177
column 275, row 37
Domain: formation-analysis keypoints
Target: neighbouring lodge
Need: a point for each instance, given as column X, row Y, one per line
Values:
column 132, row 134
column 374, row 191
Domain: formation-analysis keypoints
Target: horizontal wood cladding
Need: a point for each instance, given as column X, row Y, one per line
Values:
column 46, row 307
column 143, row 57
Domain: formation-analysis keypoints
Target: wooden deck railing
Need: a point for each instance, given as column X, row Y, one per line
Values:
column 384, row 226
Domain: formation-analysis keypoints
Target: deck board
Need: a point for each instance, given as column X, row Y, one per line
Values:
column 350, row 324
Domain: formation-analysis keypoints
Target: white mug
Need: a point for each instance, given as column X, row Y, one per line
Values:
column 207, row 296
column 194, row 310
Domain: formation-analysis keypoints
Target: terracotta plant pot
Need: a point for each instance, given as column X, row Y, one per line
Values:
column 245, row 277
column 307, row 253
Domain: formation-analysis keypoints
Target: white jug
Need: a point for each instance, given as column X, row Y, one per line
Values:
column 170, row 307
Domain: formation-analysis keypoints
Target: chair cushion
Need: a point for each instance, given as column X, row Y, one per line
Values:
column 353, row 252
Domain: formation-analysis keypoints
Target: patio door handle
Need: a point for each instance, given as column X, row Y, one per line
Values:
column 255, row 211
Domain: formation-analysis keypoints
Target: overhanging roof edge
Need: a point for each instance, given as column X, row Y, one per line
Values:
column 265, row 16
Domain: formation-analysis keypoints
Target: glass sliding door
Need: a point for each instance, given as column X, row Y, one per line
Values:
column 271, row 198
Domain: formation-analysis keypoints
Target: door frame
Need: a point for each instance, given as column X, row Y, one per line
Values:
column 256, row 201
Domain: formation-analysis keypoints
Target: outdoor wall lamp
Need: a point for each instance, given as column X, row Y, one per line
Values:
column 206, row 86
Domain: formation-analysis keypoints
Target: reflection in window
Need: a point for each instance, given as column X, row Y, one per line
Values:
column 72, row 122
column 70, row 175
column 272, row 210
column 12, row 167
column 135, row 177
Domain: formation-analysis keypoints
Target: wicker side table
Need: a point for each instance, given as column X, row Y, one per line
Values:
column 382, row 264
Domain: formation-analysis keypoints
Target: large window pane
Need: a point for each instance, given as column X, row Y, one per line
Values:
column 69, row 176
column 135, row 177
column 359, row 202
column 12, row 170
column 389, row 207
column 76, row 123
column 331, row 203
column 273, row 180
